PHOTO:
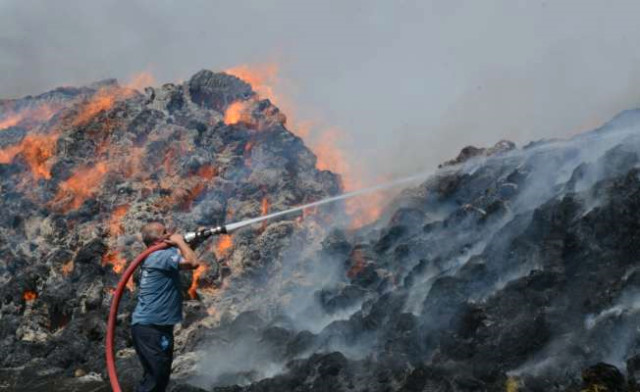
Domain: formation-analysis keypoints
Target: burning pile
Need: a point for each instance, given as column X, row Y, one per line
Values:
column 83, row 168
column 508, row 269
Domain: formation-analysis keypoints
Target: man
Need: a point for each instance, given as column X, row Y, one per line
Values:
column 159, row 305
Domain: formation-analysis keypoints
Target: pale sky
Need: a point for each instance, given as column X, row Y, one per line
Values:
column 407, row 83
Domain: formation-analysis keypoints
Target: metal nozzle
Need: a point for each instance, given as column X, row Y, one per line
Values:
column 197, row 237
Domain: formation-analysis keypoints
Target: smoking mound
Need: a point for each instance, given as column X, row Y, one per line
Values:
column 508, row 269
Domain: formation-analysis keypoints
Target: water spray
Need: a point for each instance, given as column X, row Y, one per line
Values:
column 201, row 235
column 194, row 238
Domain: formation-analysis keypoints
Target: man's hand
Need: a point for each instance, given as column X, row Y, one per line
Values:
column 190, row 259
column 175, row 240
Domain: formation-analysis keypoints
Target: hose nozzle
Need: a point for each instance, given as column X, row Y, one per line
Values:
column 197, row 237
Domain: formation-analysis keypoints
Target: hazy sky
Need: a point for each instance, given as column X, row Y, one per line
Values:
column 408, row 82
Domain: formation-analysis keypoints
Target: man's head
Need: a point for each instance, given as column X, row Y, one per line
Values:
column 153, row 232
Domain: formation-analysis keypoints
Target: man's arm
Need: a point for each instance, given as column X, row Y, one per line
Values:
column 190, row 259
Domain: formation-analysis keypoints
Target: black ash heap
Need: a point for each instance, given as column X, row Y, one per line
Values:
column 509, row 269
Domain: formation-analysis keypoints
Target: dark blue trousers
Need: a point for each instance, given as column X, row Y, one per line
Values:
column 154, row 346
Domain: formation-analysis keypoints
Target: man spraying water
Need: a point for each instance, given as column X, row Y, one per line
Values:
column 159, row 305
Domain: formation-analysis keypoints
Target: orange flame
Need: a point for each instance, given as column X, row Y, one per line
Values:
column 223, row 246
column 29, row 295
column 113, row 258
column 42, row 112
column 105, row 98
column 11, row 121
column 197, row 273
column 115, row 222
column 264, row 210
column 237, row 112
column 324, row 142
column 261, row 78
column 36, row 151
column 80, row 186
column 118, row 264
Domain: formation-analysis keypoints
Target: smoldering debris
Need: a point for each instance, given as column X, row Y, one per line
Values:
column 502, row 267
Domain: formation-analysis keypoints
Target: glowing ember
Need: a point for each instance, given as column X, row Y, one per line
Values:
column 247, row 153
column 223, row 246
column 264, row 210
column 29, row 295
column 118, row 264
column 115, row 222
column 197, row 273
column 113, row 258
column 67, row 268
column 358, row 263
column 80, row 186
column 207, row 172
column 248, row 147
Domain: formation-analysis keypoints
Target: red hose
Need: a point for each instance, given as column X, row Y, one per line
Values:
column 113, row 313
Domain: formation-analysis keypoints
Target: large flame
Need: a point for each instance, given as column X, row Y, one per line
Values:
column 324, row 142
column 36, row 151
column 82, row 184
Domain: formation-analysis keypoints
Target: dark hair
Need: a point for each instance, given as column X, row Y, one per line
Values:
column 152, row 232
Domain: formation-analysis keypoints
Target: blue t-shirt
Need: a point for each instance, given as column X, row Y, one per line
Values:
column 159, row 297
